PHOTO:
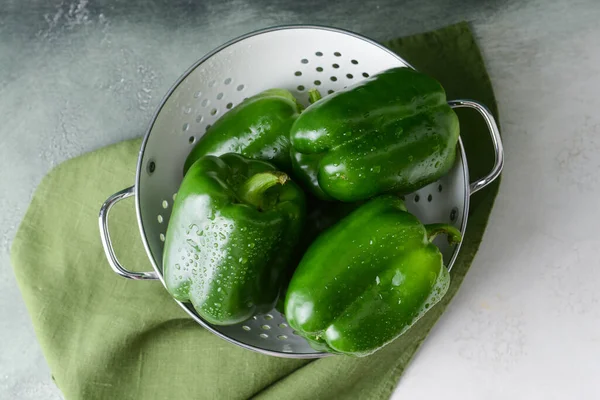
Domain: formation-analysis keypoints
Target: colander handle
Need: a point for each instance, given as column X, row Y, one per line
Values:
column 107, row 243
column 496, row 141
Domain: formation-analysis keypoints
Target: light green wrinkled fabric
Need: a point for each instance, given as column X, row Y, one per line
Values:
column 106, row 337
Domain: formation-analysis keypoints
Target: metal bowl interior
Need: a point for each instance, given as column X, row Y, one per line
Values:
column 295, row 58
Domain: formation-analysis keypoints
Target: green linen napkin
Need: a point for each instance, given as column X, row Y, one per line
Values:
column 106, row 337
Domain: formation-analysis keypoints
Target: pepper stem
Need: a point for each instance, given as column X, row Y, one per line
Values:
column 252, row 191
column 314, row 95
column 453, row 234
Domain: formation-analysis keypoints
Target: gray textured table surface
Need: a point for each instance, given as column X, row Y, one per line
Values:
column 77, row 75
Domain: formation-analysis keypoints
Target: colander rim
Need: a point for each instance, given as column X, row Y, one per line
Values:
column 139, row 170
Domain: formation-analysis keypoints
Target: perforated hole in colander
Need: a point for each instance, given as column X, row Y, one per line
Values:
column 454, row 214
column 150, row 167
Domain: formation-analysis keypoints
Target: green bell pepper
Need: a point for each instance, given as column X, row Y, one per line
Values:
column 234, row 224
column 257, row 128
column 320, row 215
column 393, row 132
column 367, row 279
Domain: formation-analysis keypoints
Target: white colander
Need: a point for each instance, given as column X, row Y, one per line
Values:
column 295, row 58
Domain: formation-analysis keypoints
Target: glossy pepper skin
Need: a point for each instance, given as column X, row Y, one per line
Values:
column 234, row 224
column 367, row 279
column 257, row 128
column 393, row 132
column 320, row 215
